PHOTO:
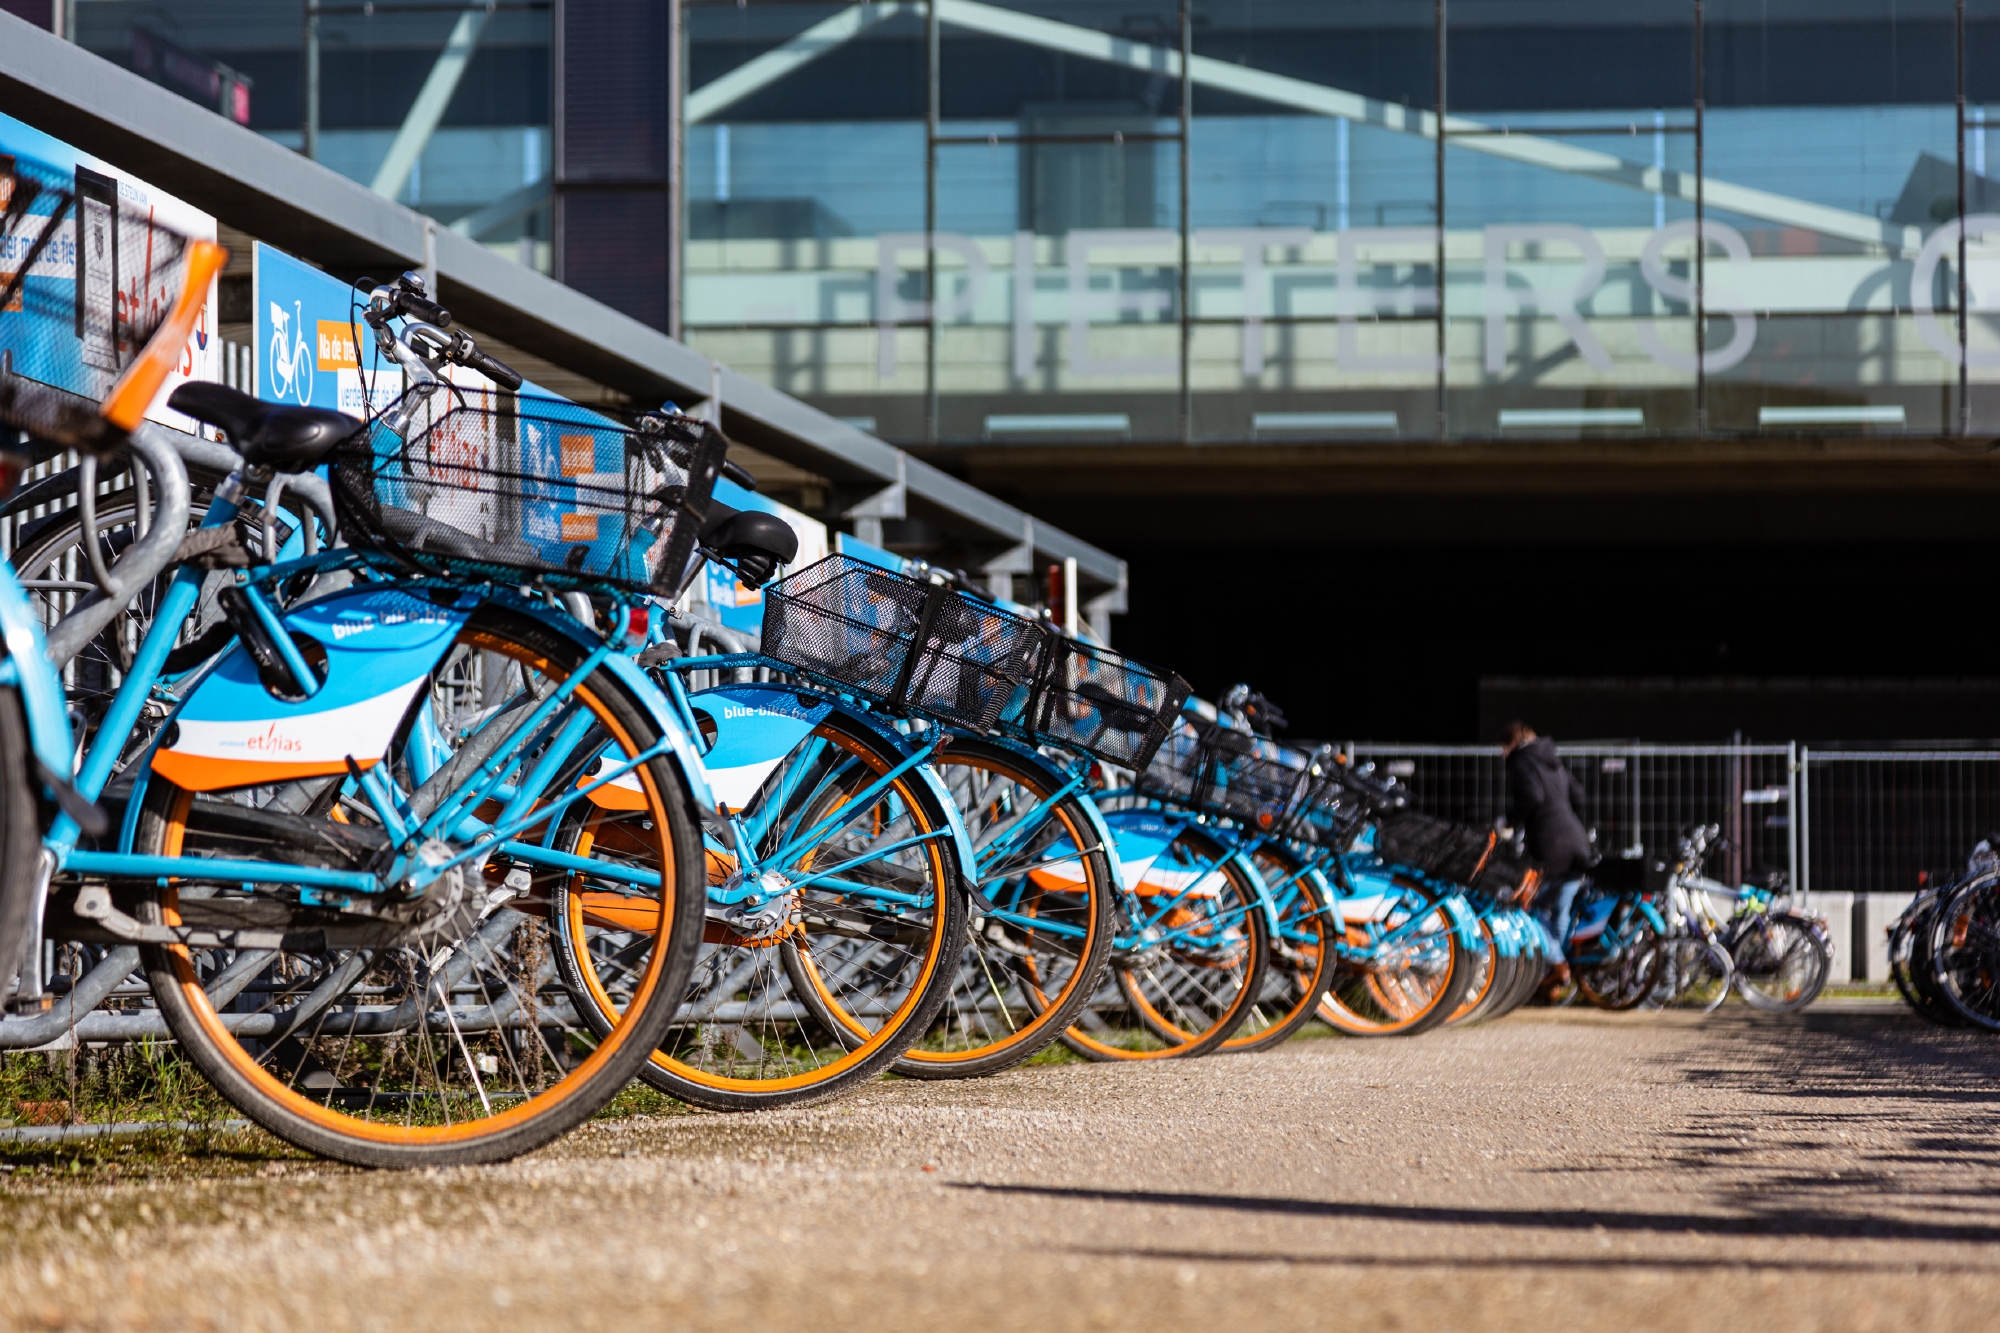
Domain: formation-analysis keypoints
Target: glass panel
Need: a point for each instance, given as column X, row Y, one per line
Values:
column 1568, row 229
column 805, row 198
column 1982, row 201
column 1313, row 208
column 487, row 163
column 1831, row 158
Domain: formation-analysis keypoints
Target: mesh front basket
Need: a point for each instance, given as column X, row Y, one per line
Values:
column 1219, row 771
column 491, row 485
column 86, row 279
column 1101, row 703
column 915, row 645
column 1182, row 771
column 1453, row 852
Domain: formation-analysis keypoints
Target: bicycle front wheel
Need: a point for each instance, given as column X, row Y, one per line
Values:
column 1781, row 962
column 20, row 840
column 1402, row 969
column 1302, row 957
column 1042, row 915
column 1697, row 975
column 852, row 963
column 438, row 1035
column 1187, row 963
column 1964, row 953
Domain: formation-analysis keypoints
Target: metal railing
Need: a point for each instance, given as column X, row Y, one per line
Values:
column 1890, row 821
column 1837, row 821
column 1637, row 797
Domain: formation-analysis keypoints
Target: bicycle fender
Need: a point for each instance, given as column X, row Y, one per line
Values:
column 39, row 686
column 1463, row 919
column 381, row 646
column 1330, row 896
column 756, row 726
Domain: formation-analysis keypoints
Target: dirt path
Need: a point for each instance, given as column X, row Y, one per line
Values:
column 1556, row 1170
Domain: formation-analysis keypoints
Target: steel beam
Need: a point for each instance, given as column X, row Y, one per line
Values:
column 281, row 197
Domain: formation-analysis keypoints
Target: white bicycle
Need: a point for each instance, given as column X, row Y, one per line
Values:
column 291, row 364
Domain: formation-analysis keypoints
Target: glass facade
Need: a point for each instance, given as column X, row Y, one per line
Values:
column 480, row 160
column 975, row 222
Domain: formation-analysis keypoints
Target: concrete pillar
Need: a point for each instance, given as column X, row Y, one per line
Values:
column 1874, row 914
column 1838, row 909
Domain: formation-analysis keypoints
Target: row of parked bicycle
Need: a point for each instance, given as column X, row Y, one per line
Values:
column 1944, row 950
column 385, row 755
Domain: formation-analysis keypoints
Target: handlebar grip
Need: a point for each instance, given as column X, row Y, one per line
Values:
column 430, row 312
column 738, row 475
column 492, row 368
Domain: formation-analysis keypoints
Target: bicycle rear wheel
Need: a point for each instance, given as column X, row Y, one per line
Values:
column 1042, row 916
column 1781, row 962
column 443, row 1038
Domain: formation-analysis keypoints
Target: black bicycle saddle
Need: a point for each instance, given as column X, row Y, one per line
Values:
column 273, row 435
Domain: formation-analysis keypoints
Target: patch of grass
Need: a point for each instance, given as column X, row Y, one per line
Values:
column 137, row 1082
column 1055, row 1053
column 638, row 1099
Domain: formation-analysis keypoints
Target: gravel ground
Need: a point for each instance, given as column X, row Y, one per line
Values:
column 1557, row 1169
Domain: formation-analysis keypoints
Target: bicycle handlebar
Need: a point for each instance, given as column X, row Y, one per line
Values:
column 466, row 353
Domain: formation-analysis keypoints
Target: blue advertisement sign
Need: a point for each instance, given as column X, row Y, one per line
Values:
column 43, row 331
column 310, row 345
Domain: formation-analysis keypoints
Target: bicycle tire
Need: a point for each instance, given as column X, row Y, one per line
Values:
column 1751, row 946
column 20, row 840
column 302, row 1085
column 1052, row 974
column 800, row 1033
column 1622, row 983
column 1700, row 973
column 1410, row 994
column 1486, row 978
column 1185, row 994
column 1301, row 962
column 1964, row 952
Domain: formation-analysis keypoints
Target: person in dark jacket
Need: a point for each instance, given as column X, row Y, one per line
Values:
column 1542, row 800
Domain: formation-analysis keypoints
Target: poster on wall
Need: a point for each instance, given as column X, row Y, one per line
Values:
column 81, row 272
column 308, row 341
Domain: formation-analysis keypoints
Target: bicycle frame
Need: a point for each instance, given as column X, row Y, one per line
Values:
column 143, row 682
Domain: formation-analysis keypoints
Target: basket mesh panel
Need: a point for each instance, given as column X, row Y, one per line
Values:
column 865, row 627
column 1101, row 703
column 490, row 483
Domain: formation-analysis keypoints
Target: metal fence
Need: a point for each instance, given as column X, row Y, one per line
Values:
column 1889, row 821
column 1837, row 821
column 1638, row 798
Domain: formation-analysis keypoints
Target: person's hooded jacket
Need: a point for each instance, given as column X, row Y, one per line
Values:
column 1542, row 801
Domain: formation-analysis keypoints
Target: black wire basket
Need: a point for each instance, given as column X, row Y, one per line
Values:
column 1100, row 703
column 1457, row 853
column 1218, row 771
column 495, row 485
column 917, row 646
column 86, row 280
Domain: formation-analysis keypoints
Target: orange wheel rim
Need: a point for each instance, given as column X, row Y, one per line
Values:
column 323, row 1115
